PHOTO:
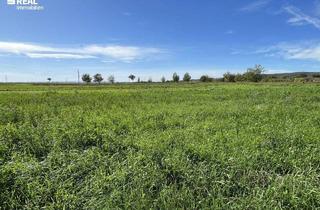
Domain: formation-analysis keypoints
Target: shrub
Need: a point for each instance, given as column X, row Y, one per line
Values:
column 254, row 74
column 300, row 80
column 228, row 77
column 206, row 78
column 239, row 78
column 302, row 75
column 269, row 79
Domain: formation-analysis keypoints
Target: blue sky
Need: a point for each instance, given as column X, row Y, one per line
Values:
column 154, row 38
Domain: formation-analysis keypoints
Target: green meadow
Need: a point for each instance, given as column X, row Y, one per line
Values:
column 160, row 146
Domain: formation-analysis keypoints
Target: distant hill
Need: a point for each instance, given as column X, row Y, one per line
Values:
column 293, row 75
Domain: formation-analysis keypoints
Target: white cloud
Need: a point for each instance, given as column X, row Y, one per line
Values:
column 19, row 48
column 120, row 52
column 300, row 18
column 114, row 52
column 58, row 56
column 302, row 51
column 254, row 6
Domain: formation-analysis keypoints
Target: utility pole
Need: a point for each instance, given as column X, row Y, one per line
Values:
column 78, row 77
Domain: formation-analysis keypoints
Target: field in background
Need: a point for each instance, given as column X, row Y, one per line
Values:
column 165, row 146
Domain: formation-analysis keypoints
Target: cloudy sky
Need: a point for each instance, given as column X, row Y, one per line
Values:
column 154, row 38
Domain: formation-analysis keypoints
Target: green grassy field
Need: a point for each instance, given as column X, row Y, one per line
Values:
column 185, row 146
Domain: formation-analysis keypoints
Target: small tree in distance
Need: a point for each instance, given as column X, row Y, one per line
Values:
column 239, row 78
column 175, row 77
column 132, row 77
column 228, row 77
column 150, row 80
column 98, row 78
column 206, row 78
column 254, row 74
column 186, row 77
column 163, row 79
column 49, row 79
column 86, row 78
column 111, row 79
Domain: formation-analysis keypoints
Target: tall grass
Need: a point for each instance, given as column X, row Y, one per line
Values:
column 183, row 146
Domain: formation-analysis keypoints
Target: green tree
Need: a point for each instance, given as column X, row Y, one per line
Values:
column 111, row 79
column 163, row 79
column 86, row 78
column 186, row 77
column 254, row 74
column 98, row 78
column 175, row 77
column 132, row 77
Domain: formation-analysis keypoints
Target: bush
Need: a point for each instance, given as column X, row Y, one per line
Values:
column 239, row 78
column 228, row 77
column 206, row 78
column 300, row 80
column 254, row 74
column 269, row 79
column 302, row 75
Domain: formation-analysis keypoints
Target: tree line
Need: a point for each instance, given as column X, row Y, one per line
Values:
column 251, row 75
column 97, row 78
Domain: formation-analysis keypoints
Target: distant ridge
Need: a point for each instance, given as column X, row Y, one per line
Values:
column 294, row 74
